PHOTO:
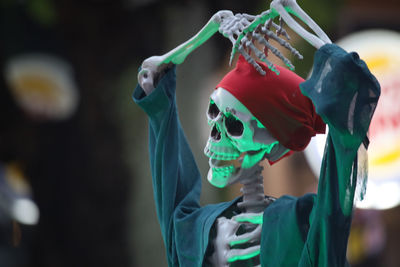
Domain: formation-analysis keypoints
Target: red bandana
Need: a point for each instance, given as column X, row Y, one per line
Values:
column 276, row 101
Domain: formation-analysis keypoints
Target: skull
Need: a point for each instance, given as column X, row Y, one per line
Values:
column 237, row 142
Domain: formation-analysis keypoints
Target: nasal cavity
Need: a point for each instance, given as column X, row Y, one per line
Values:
column 215, row 134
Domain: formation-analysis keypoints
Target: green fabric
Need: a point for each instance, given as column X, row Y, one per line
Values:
column 307, row 231
column 185, row 225
column 345, row 95
column 285, row 226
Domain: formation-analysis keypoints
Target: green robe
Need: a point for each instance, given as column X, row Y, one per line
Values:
column 308, row 231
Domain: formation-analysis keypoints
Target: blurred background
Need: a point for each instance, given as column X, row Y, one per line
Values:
column 75, row 183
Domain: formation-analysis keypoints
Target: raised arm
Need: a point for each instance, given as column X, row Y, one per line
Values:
column 175, row 176
column 345, row 95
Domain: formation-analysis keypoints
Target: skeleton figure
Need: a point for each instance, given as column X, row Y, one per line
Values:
column 244, row 114
column 239, row 140
column 237, row 143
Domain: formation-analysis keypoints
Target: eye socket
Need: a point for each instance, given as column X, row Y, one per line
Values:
column 213, row 110
column 233, row 126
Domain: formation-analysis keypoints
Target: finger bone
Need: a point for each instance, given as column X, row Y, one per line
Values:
column 274, row 50
column 243, row 254
column 250, row 60
column 280, row 30
column 251, row 237
column 282, row 42
column 261, row 56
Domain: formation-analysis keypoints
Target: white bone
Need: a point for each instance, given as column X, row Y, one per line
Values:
column 252, row 205
column 152, row 70
column 242, row 254
column 253, row 236
column 153, row 67
column 316, row 40
column 225, row 230
column 251, row 217
column 178, row 54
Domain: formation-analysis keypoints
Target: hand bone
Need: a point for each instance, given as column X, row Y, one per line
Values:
column 259, row 30
column 243, row 254
column 227, row 238
column 254, row 218
column 243, row 30
column 317, row 40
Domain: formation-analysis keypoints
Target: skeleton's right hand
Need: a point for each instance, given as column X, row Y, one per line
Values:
column 226, row 239
column 152, row 70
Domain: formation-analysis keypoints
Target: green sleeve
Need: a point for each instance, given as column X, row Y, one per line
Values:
column 185, row 225
column 175, row 176
column 345, row 95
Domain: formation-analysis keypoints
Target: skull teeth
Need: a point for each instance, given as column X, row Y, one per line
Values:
column 220, row 156
column 224, row 169
column 224, row 153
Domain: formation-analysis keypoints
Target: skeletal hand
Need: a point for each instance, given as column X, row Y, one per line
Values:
column 239, row 30
column 226, row 239
column 244, row 30
column 284, row 7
